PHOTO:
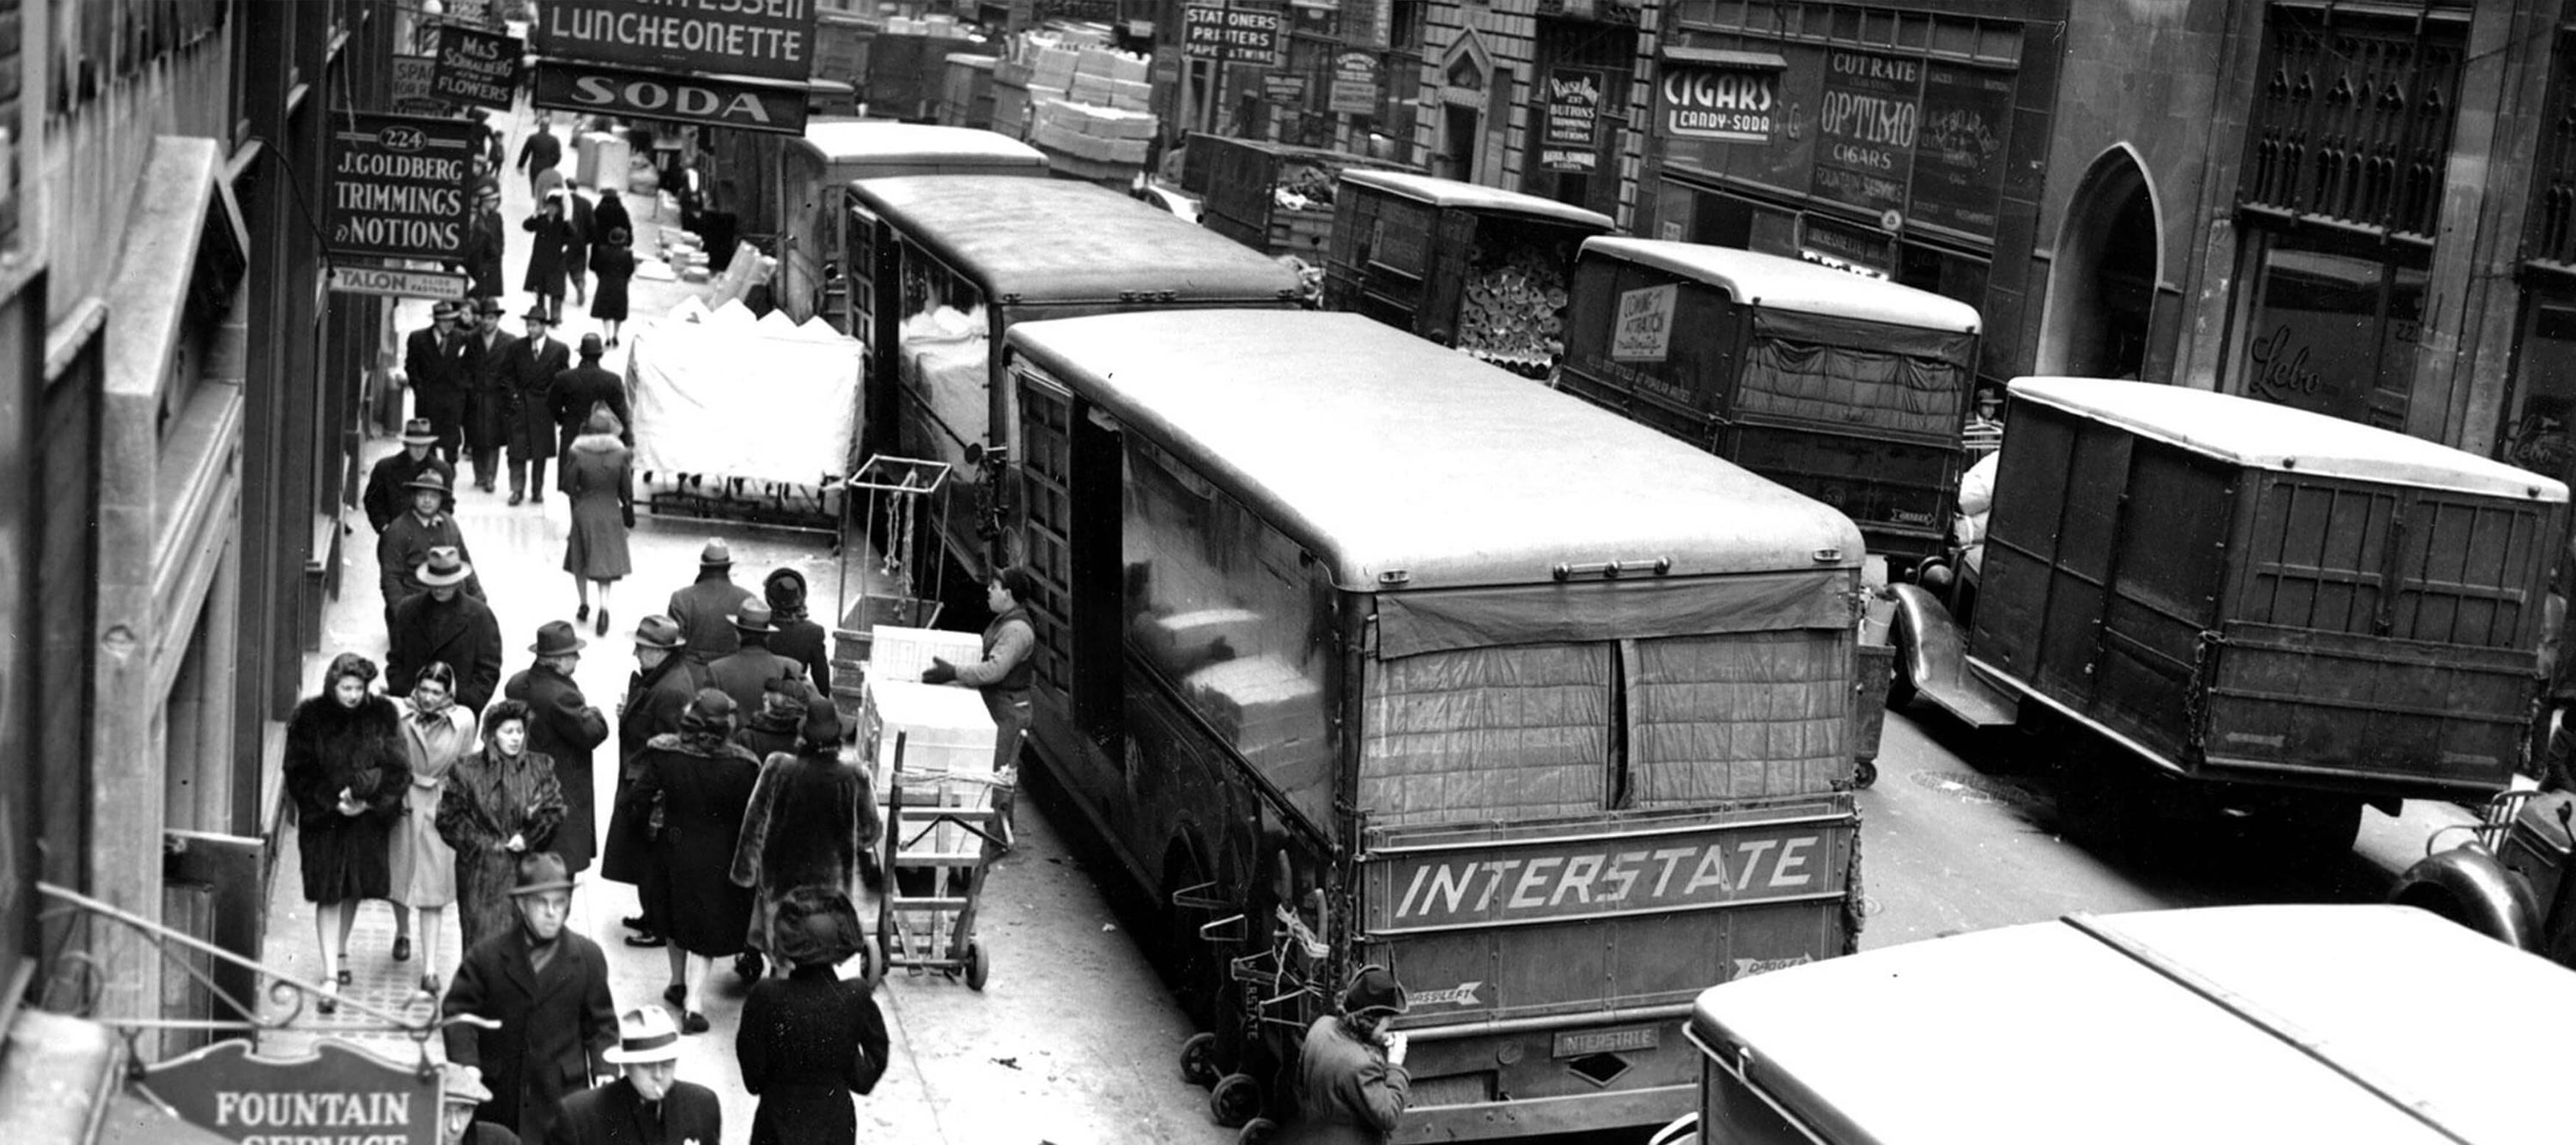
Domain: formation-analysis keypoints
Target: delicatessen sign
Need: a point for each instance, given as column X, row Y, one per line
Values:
column 397, row 186
column 771, row 39
column 338, row 1094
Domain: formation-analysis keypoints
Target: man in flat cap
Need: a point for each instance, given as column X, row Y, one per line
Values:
column 462, row 1092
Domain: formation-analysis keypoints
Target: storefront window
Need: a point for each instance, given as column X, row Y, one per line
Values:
column 2537, row 436
column 2333, row 328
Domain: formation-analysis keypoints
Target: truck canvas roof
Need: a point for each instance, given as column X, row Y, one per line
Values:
column 847, row 140
column 2224, row 1024
column 1051, row 241
column 1768, row 280
column 2263, row 435
column 1441, row 192
column 1379, row 451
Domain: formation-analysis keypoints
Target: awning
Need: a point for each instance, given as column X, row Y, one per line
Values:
column 1722, row 57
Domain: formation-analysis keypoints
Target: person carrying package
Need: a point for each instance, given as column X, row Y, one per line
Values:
column 1003, row 675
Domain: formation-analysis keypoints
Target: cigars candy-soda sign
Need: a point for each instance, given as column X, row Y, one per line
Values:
column 1546, row 880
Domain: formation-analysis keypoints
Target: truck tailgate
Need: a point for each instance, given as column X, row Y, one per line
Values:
column 2333, row 704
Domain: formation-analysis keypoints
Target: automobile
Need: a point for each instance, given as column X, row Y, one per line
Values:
column 2507, row 878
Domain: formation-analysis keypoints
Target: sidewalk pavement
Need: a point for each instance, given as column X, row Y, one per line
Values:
column 1075, row 1037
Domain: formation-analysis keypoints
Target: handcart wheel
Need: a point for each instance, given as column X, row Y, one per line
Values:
column 1235, row 1100
column 1864, row 773
column 871, row 963
column 1258, row 1131
column 1198, row 1060
column 979, row 966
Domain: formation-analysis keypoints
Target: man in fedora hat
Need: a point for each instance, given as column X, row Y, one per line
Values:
column 487, row 415
column 534, row 362
column 406, row 541
column 649, row 1105
column 552, row 224
column 445, row 625
column 1351, row 1084
column 745, row 672
column 484, row 238
column 434, row 367
column 657, row 696
column 389, row 482
column 547, row 987
column 461, row 1093
column 705, row 610
column 580, row 389
column 564, row 725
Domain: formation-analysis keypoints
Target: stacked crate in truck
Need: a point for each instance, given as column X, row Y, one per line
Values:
column 1272, row 197
column 967, row 97
column 1087, row 141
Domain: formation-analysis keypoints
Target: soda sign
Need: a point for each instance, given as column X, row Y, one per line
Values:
column 650, row 95
column 1597, row 875
column 1725, row 103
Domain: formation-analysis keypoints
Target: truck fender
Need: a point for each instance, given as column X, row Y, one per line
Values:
column 1928, row 629
column 2469, row 886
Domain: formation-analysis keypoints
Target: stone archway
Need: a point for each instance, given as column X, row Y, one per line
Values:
column 2102, row 286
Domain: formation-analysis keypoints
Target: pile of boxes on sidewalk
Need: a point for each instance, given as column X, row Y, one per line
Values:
column 1085, row 104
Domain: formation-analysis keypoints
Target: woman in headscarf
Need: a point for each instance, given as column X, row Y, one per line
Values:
column 810, row 1040
column 812, row 822
column 346, row 769
column 438, row 732
column 501, row 803
column 694, row 785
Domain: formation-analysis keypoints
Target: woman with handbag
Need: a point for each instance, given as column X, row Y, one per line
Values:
column 689, row 792
column 346, row 769
column 501, row 803
column 811, row 1039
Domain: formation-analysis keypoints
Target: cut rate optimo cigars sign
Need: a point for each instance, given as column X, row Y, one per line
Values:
column 770, row 39
column 397, row 185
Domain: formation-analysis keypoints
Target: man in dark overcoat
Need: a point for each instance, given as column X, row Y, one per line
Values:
column 444, row 625
column 577, row 251
column 657, row 695
column 484, row 239
column 534, row 362
column 576, row 390
column 745, row 672
column 487, row 415
column 434, row 365
column 649, row 1105
column 407, row 541
column 548, row 989
column 388, row 494
column 562, row 724
column 542, row 152
column 705, row 610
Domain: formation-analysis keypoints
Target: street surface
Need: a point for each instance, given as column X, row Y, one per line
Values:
column 1074, row 1039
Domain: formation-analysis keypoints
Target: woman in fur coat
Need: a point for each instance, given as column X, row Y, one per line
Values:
column 347, row 770
column 812, row 822
column 501, row 802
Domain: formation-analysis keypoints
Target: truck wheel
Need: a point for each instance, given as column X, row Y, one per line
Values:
column 1258, row 1131
column 1900, row 681
column 1198, row 1060
column 1235, row 1100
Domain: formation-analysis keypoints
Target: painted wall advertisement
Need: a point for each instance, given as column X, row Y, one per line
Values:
column 1571, row 137
column 1882, row 133
column 397, row 186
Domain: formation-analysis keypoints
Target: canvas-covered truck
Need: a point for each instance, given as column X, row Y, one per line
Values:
column 1273, row 197
column 2277, row 614
column 1850, row 390
column 1473, row 267
column 1356, row 650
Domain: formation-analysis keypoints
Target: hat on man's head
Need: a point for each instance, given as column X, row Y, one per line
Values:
column 556, row 638
column 417, row 431
column 462, row 1086
column 1373, row 990
column 785, row 589
column 426, row 478
column 716, row 553
column 535, row 314
column 644, row 1034
column 709, row 710
column 658, row 632
column 489, row 304
column 443, row 567
column 591, row 346
column 822, row 727
column 444, row 308
column 754, row 617
column 539, row 872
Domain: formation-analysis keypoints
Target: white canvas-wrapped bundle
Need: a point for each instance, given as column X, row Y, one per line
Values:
column 724, row 397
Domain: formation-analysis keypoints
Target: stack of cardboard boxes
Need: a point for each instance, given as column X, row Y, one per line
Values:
column 1079, row 101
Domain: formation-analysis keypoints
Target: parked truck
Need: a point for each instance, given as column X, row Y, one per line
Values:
column 1476, row 268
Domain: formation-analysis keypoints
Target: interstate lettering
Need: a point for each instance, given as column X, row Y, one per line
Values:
column 1526, row 883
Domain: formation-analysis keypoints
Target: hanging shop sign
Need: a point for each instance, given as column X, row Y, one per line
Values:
column 1729, row 97
column 1570, row 139
column 394, row 282
column 1286, row 90
column 1866, row 126
column 768, row 39
column 593, row 90
column 338, row 1093
column 398, row 185
column 477, row 68
column 1354, row 85
column 412, row 78
column 1234, row 33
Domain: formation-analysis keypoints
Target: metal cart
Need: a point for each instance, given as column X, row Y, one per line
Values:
column 943, row 827
column 887, row 508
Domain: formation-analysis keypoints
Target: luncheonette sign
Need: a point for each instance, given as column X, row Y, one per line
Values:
column 397, row 185
column 771, row 39
column 1643, row 331
column 339, row 1094
column 1596, row 875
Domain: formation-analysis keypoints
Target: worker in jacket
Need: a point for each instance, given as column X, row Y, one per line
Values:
column 1005, row 672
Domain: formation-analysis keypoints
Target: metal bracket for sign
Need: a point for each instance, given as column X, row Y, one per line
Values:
column 286, row 989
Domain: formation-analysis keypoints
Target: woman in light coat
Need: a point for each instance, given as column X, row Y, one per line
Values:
column 439, row 732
